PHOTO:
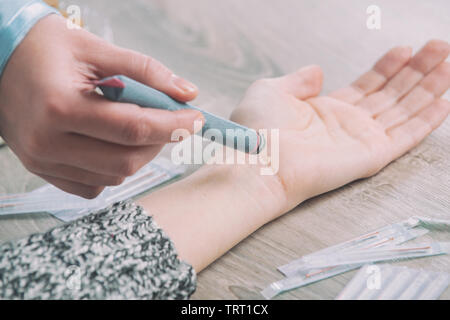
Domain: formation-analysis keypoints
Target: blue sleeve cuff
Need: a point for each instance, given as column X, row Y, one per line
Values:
column 16, row 20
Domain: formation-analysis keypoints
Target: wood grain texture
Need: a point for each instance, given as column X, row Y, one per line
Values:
column 223, row 46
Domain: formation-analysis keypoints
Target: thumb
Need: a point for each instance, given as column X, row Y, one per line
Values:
column 303, row 84
column 119, row 61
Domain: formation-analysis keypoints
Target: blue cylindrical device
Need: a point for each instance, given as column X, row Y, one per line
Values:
column 123, row 89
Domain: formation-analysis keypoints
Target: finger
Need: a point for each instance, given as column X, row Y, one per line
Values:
column 119, row 61
column 430, row 56
column 391, row 63
column 73, row 174
column 303, row 84
column 98, row 156
column 411, row 133
column 85, row 191
column 434, row 85
column 129, row 124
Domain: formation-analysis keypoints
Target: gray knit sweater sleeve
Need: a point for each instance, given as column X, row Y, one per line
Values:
column 116, row 253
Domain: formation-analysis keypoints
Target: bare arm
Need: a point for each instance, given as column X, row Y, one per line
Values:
column 325, row 142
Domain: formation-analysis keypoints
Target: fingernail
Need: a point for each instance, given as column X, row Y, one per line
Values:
column 199, row 122
column 183, row 85
column 201, row 119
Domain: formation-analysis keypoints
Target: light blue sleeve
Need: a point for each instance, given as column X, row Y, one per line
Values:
column 17, row 17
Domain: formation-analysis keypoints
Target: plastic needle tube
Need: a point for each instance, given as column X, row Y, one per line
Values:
column 123, row 89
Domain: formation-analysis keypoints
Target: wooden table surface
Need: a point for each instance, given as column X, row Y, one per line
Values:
column 225, row 45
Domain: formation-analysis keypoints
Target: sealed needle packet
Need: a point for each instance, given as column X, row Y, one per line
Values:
column 384, row 244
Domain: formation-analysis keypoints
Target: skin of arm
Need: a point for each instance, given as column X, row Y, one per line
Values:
column 325, row 142
column 210, row 211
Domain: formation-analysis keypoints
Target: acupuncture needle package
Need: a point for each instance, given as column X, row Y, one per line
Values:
column 396, row 233
column 386, row 282
column 69, row 207
column 378, row 254
column 384, row 244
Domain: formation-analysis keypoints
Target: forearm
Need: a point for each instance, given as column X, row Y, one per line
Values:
column 212, row 210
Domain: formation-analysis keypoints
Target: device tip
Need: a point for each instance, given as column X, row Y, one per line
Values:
column 261, row 142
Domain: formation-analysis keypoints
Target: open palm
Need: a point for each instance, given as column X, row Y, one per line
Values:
column 328, row 141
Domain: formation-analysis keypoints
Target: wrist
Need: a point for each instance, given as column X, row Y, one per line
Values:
column 213, row 209
column 264, row 193
column 260, row 176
